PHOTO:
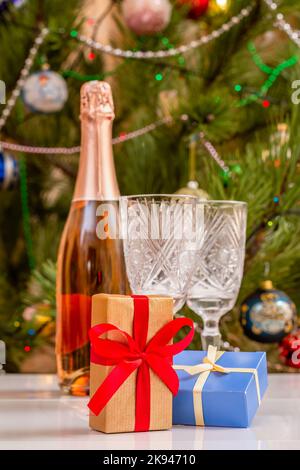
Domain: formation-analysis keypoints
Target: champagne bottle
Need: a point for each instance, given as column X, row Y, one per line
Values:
column 88, row 263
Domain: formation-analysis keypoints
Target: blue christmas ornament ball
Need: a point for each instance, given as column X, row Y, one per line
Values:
column 9, row 171
column 45, row 92
column 268, row 315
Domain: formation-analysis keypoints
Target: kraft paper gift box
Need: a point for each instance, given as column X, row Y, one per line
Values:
column 227, row 394
column 126, row 394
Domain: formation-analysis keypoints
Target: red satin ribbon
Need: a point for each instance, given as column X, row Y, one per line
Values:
column 133, row 353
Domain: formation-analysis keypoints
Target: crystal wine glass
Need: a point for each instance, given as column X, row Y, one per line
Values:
column 220, row 262
column 160, row 237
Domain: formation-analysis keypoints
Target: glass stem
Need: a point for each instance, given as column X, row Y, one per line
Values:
column 210, row 334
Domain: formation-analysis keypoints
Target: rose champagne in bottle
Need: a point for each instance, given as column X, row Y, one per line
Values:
column 88, row 262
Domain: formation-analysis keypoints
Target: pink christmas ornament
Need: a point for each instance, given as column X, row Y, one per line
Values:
column 146, row 16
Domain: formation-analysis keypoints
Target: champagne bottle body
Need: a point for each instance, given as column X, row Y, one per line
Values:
column 88, row 262
column 86, row 266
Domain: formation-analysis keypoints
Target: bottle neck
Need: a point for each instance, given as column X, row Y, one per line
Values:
column 96, row 179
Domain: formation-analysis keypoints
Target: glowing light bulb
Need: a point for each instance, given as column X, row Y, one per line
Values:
column 222, row 4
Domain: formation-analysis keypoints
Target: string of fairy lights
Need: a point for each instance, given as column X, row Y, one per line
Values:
column 282, row 24
column 23, row 75
column 279, row 23
column 123, row 137
column 273, row 75
column 174, row 51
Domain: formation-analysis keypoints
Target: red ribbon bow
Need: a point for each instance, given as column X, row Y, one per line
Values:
column 136, row 354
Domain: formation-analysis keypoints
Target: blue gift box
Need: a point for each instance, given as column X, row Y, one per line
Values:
column 227, row 399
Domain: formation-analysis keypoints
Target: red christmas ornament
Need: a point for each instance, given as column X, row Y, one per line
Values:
column 289, row 350
column 197, row 7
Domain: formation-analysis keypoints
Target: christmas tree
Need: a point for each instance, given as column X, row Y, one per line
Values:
column 213, row 79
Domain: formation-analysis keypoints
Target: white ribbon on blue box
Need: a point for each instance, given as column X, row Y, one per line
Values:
column 219, row 388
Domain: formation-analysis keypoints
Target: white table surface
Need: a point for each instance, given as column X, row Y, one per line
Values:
column 34, row 415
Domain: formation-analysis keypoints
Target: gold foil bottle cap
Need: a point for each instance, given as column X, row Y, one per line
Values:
column 97, row 100
column 266, row 285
